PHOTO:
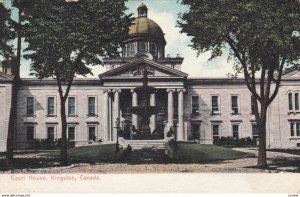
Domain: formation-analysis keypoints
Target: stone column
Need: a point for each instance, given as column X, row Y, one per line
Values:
column 180, row 129
column 170, row 110
column 134, row 103
column 153, row 117
column 105, row 116
column 116, row 112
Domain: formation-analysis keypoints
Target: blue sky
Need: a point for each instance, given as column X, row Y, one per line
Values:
column 165, row 13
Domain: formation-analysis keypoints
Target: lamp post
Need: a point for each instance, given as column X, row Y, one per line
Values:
column 175, row 122
column 118, row 128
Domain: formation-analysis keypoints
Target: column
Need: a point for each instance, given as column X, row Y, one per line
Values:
column 170, row 105
column 116, row 112
column 153, row 117
column 134, row 103
column 180, row 129
column 170, row 110
column 105, row 116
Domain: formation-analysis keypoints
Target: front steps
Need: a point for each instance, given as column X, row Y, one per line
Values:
column 143, row 144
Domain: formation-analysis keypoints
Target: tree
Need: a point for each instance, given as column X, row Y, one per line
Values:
column 11, row 29
column 5, row 32
column 64, row 37
column 263, row 37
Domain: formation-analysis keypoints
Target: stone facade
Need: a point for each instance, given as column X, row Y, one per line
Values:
column 203, row 108
column 5, row 98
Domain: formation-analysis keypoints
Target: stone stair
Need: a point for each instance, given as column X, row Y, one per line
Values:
column 148, row 155
column 143, row 144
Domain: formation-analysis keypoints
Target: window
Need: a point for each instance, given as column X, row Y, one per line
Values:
column 92, row 133
column 290, row 101
column 71, row 106
column 235, row 131
column 131, row 49
column 50, row 133
column 30, row 106
column 293, row 101
column 254, row 131
column 91, row 106
column 142, row 46
column 51, row 106
column 234, row 105
column 71, row 133
column 252, row 104
column 295, row 129
column 195, row 104
column 153, row 49
column 216, row 131
column 215, row 104
column 296, row 101
column 195, row 131
column 30, row 133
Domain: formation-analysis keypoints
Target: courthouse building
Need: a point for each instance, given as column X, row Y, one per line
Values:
column 205, row 108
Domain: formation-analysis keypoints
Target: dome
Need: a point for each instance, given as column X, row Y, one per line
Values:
column 144, row 35
column 144, row 25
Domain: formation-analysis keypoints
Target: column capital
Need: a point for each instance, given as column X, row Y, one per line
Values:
column 171, row 90
column 106, row 90
column 132, row 90
column 116, row 90
column 181, row 90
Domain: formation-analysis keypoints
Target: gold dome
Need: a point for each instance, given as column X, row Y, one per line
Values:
column 144, row 25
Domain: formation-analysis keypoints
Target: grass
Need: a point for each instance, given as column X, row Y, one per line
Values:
column 203, row 152
column 97, row 153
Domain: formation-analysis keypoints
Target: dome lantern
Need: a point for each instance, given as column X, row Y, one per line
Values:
column 142, row 10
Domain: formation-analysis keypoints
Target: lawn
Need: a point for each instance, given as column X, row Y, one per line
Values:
column 204, row 152
column 96, row 153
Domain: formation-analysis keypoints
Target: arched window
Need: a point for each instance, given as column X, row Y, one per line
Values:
column 142, row 47
column 153, row 49
column 293, row 101
column 290, row 101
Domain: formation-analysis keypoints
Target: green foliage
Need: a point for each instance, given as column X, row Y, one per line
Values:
column 258, row 30
column 64, row 37
column 6, row 33
column 263, row 37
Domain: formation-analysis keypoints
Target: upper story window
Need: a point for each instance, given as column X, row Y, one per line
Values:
column 215, row 104
column 143, row 47
column 71, row 106
column 30, row 106
column 195, row 104
column 234, row 104
column 293, row 98
column 91, row 105
column 51, row 106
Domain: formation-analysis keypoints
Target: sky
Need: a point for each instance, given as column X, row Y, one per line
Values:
column 165, row 14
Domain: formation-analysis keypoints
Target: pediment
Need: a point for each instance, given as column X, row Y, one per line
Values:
column 134, row 68
column 5, row 77
column 292, row 73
